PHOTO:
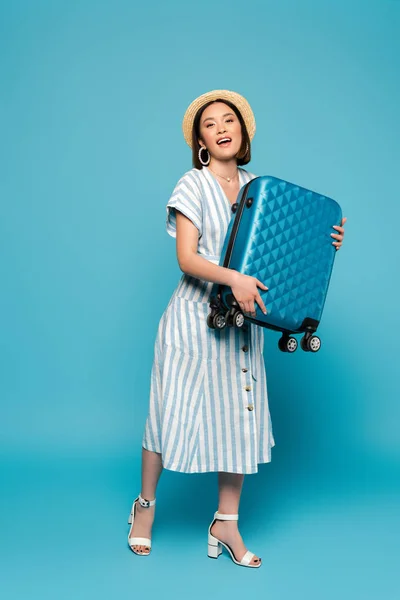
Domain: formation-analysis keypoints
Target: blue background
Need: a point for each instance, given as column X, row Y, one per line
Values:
column 91, row 102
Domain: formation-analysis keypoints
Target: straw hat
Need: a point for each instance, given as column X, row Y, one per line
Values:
column 241, row 104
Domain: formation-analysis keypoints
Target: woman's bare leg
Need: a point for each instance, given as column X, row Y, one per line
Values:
column 144, row 517
column 229, row 489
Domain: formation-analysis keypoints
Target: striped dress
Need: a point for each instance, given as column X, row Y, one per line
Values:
column 208, row 408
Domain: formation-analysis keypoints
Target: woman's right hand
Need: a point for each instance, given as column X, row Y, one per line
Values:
column 245, row 290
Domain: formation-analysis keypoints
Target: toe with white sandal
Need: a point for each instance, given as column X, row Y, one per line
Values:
column 139, row 541
column 215, row 545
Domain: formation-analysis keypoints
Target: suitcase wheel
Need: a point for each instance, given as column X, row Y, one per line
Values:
column 210, row 320
column 238, row 319
column 310, row 343
column 287, row 344
column 219, row 321
column 314, row 343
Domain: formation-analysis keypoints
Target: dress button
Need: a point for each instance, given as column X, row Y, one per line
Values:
column 250, row 407
column 247, row 388
column 245, row 348
column 244, row 370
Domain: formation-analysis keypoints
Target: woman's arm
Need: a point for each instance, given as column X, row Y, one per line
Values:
column 191, row 263
column 244, row 287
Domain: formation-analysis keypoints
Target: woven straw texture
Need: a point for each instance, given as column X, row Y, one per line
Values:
column 239, row 101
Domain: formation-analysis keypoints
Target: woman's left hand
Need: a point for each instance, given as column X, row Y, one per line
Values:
column 339, row 236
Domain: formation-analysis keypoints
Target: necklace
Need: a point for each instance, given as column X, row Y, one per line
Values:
column 228, row 179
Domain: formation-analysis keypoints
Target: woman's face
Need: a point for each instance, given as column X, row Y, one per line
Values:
column 219, row 122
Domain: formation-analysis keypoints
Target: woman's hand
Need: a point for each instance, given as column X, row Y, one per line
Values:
column 244, row 288
column 339, row 236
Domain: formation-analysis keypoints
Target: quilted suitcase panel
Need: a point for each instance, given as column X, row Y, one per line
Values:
column 281, row 234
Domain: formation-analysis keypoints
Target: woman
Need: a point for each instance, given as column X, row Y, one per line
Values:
column 208, row 397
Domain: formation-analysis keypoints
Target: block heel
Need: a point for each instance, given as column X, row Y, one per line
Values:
column 215, row 545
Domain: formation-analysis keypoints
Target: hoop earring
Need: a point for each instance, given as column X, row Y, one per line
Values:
column 208, row 154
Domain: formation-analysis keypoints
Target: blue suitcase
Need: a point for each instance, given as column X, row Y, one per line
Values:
column 280, row 233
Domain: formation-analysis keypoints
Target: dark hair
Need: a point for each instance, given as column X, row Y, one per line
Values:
column 242, row 157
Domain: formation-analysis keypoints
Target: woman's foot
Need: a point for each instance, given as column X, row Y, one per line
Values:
column 142, row 526
column 228, row 532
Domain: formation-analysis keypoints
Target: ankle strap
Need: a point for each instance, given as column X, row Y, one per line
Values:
column 146, row 503
column 224, row 517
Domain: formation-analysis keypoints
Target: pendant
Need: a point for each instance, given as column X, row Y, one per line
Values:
column 228, row 178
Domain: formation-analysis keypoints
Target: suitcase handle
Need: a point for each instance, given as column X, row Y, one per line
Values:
column 235, row 206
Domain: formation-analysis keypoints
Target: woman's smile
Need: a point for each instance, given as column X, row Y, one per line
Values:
column 224, row 142
column 220, row 131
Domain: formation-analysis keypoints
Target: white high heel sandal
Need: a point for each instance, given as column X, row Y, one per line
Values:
column 139, row 541
column 215, row 545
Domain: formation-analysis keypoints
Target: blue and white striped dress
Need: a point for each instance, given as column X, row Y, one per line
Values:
column 208, row 390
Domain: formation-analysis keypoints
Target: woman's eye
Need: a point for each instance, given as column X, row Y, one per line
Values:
column 229, row 120
column 209, row 125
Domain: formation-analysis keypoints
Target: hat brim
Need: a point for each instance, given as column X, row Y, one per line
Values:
column 239, row 101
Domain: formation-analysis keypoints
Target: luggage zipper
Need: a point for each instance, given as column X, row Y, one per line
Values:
column 236, row 224
column 232, row 238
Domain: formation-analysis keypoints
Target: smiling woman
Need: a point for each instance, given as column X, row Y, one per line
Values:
column 208, row 394
column 240, row 145
column 208, row 391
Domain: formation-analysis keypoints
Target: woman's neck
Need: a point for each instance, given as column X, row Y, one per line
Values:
column 225, row 168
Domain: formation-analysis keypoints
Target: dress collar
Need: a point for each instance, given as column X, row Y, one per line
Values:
column 211, row 177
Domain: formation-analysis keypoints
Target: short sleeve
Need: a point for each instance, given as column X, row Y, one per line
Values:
column 186, row 198
column 249, row 176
